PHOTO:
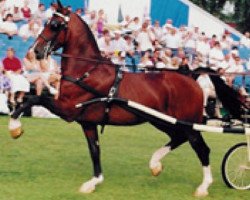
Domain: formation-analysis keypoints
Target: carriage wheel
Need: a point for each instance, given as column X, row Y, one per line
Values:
column 236, row 167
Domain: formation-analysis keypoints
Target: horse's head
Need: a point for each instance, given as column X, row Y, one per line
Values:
column 54, row 33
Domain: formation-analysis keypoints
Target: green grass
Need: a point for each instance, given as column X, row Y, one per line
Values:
column 51, row 160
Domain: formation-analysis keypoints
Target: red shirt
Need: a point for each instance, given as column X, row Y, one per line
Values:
column 26, row 12
column 12, row 64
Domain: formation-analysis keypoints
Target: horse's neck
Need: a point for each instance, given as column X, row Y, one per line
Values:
column 81, row 44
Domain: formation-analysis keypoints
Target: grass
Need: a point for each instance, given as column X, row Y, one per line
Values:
column 51, row 160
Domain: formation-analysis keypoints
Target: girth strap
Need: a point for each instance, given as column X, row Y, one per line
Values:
column 83, row 85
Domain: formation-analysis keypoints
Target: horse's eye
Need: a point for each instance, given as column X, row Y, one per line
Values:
column 55, row 25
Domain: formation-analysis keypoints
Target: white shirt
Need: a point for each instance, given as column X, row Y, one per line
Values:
column 172, row 41
column 144, row 40
column 215, row 56
column 118, row 45
column 8, row 27
column 245, row 41
column 203, row 48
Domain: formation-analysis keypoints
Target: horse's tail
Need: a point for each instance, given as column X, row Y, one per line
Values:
column 231, row 99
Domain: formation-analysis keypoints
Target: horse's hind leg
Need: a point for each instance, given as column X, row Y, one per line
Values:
column 91, row 134
column 202, row 151
column 177, row 138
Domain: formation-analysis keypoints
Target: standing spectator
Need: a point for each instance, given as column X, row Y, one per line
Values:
column 172, row 41
column 135, row 24
column 118, row 43
column 104, row 44
column 101, row 21
column 157, row 30
column 145, row 38
column 8, row 26
column 19, row 84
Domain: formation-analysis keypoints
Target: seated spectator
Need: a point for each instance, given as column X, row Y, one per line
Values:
column 19, row 84
column 105, row 44
column 8, row 26
column 26, row 10
column 174, row 64
column 17, row 14
column 184, row 67
column 31, row 29
column 50, row 11
column 118, row 43
column 145, row 62
column 32, row 68
column 4, row 91
column 245, row 40
column 40, row 13
column 215, row 56
column 51, row 73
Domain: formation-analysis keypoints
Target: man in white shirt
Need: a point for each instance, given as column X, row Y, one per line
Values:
column 173, row 41
column 145, row 38
column 50, row 11
column 118, row 43
column 31, row 29
column 215, row 56
column 8, row 26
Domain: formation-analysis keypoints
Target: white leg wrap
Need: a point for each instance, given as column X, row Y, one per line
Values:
column 157, row 156
column 202, row 190
column 14, row 124
column 89, row 186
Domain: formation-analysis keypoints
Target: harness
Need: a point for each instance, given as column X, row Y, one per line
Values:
column 107, row 99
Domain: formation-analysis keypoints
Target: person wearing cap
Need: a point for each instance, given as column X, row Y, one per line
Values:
column 118, row 43
column 19, row 84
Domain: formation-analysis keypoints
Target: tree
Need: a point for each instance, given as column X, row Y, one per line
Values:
column 241, row 16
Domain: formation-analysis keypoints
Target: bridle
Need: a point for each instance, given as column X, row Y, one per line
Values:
column 57, row 27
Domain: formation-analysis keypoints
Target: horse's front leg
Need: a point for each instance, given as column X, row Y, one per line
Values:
column 91, row 134
column 15, row 126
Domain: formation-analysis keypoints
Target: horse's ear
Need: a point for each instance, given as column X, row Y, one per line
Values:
column 60, row 6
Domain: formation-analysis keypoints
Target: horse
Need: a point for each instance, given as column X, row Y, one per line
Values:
column 86, row 75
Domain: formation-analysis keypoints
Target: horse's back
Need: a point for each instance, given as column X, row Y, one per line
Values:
column 169, row 92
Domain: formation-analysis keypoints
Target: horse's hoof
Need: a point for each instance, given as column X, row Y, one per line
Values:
column 200, row 194
column 157, row 170
column 15, row 128
column 16, row 133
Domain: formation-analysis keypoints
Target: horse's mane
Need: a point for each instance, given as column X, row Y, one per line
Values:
column 93, row 40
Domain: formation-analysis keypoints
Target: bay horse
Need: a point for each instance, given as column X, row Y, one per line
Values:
column 87, row 75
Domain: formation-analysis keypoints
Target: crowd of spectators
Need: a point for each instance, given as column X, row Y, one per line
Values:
column 138, row 44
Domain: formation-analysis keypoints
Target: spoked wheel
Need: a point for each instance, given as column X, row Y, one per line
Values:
column 236, row 167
